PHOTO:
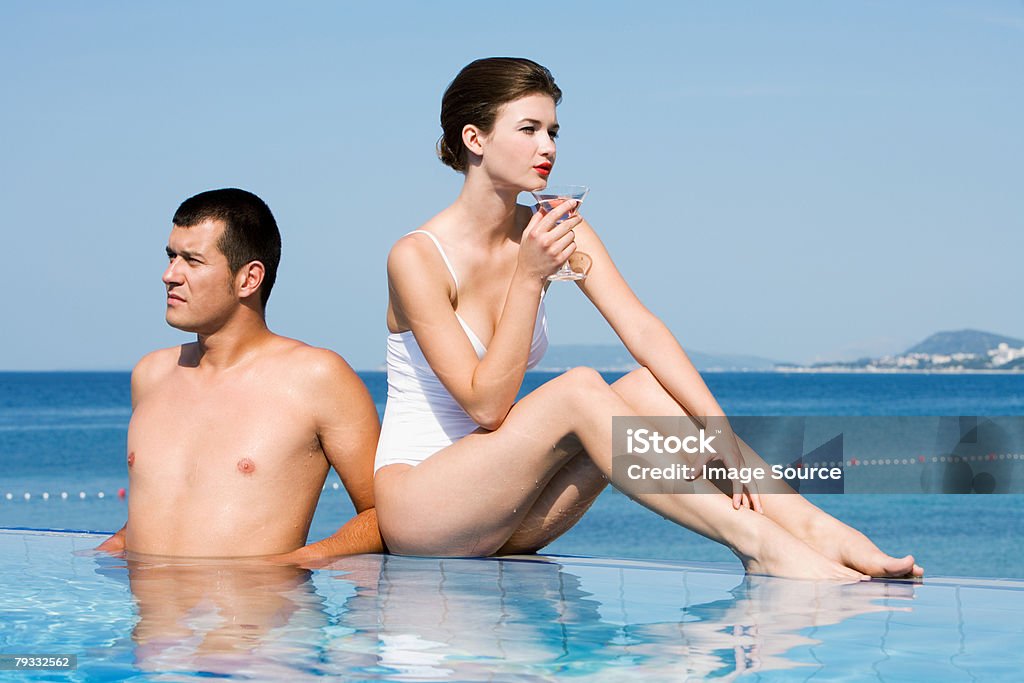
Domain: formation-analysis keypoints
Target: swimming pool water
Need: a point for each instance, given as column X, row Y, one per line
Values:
column 375, row 617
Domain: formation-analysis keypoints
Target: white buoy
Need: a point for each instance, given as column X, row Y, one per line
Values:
column 64, row 495
column 9, row 497
column 334, row 486
column 81, row 494
column 100, row 494
column 46, row 496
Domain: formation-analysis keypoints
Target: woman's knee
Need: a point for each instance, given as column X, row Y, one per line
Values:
column 583, row 379
column 637, row 380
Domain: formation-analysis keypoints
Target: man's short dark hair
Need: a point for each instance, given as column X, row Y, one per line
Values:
column 250, row 231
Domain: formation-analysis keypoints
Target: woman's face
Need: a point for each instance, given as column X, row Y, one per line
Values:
column 519, row 152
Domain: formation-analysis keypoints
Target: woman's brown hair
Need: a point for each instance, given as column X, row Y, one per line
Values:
column 479, row 91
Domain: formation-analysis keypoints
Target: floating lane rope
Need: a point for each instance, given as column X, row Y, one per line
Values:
column 122, row 493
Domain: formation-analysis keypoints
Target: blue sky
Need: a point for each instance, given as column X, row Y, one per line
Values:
column 797, row 180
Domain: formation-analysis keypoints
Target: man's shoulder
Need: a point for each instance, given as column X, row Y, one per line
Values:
column 157, row 367
column 159, row 362
column 319, row 392
column 317, row 377
column 304, row 361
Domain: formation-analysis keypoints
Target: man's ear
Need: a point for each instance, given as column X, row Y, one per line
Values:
column 472, row 138
column 249, row 278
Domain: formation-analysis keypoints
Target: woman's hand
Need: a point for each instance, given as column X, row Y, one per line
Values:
column 727, row 450
column 547, row 244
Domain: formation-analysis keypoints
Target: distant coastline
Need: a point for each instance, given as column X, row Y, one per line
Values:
column 965, row 352
column 804, row 370
column 943, row 353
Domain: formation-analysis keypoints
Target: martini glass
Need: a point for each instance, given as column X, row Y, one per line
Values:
column 550, row 197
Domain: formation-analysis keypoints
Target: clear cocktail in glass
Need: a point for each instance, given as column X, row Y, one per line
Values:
column 552, row 196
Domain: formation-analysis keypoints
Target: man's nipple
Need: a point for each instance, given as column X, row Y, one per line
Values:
column 246, row 466
column 131, row 458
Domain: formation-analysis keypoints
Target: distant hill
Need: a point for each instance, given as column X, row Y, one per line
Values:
column 730, row 362
column 963, row 341
column 613, row 357
column 959, row 351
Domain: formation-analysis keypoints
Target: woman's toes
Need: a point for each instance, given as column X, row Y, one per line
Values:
column 893, row 566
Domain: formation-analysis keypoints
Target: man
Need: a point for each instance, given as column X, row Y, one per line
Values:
column 232, row 436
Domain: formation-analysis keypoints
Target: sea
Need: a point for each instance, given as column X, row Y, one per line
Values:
column 62, row 466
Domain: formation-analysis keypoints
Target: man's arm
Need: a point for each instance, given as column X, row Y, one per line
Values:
column 356, row 536
column 348, row 429
column 142, row 375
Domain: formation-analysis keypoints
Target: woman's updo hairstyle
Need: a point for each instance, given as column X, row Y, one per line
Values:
column 479, row 91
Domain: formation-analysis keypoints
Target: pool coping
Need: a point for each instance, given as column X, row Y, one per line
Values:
column 1002, row 583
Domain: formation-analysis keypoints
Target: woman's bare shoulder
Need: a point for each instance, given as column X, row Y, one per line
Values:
column 415, row 243
column 411, row 253
column 416, row 262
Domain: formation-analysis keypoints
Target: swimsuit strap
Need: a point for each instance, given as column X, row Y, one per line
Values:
column 443, row 255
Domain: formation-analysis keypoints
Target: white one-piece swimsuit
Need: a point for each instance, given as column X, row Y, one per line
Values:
column 421, row 417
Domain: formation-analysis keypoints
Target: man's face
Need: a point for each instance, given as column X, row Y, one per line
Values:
column 200, row 288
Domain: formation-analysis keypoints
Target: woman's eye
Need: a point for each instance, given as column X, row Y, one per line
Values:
column 528, row 129
column 553, row 135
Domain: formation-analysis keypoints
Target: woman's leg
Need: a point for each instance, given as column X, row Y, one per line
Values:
column 560, row 505
column 570, row 493
column 471, row 497
column 823, row 532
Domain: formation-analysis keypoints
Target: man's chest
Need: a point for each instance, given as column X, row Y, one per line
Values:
column 185, row 434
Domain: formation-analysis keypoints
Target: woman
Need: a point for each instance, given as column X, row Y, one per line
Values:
column 462, row 469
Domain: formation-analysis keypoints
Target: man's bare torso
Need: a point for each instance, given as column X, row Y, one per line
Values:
column 224, row 463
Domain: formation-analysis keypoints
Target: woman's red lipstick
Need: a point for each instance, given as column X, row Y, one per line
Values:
column 543, row 169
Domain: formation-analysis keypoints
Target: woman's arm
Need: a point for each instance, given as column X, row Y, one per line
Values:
column 422, row 295
column 655, row 347
column 647, row 338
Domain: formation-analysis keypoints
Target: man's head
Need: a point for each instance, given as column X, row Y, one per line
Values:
column 224, row 249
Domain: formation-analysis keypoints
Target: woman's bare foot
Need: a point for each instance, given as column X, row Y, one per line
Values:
column 846, row 545
column 779, row 553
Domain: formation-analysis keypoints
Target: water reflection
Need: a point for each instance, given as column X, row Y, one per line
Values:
column 223, row 617
column 430, row 619
column 417, row 619
column 760, row 625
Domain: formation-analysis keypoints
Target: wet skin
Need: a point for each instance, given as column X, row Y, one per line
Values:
column 206, row 457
